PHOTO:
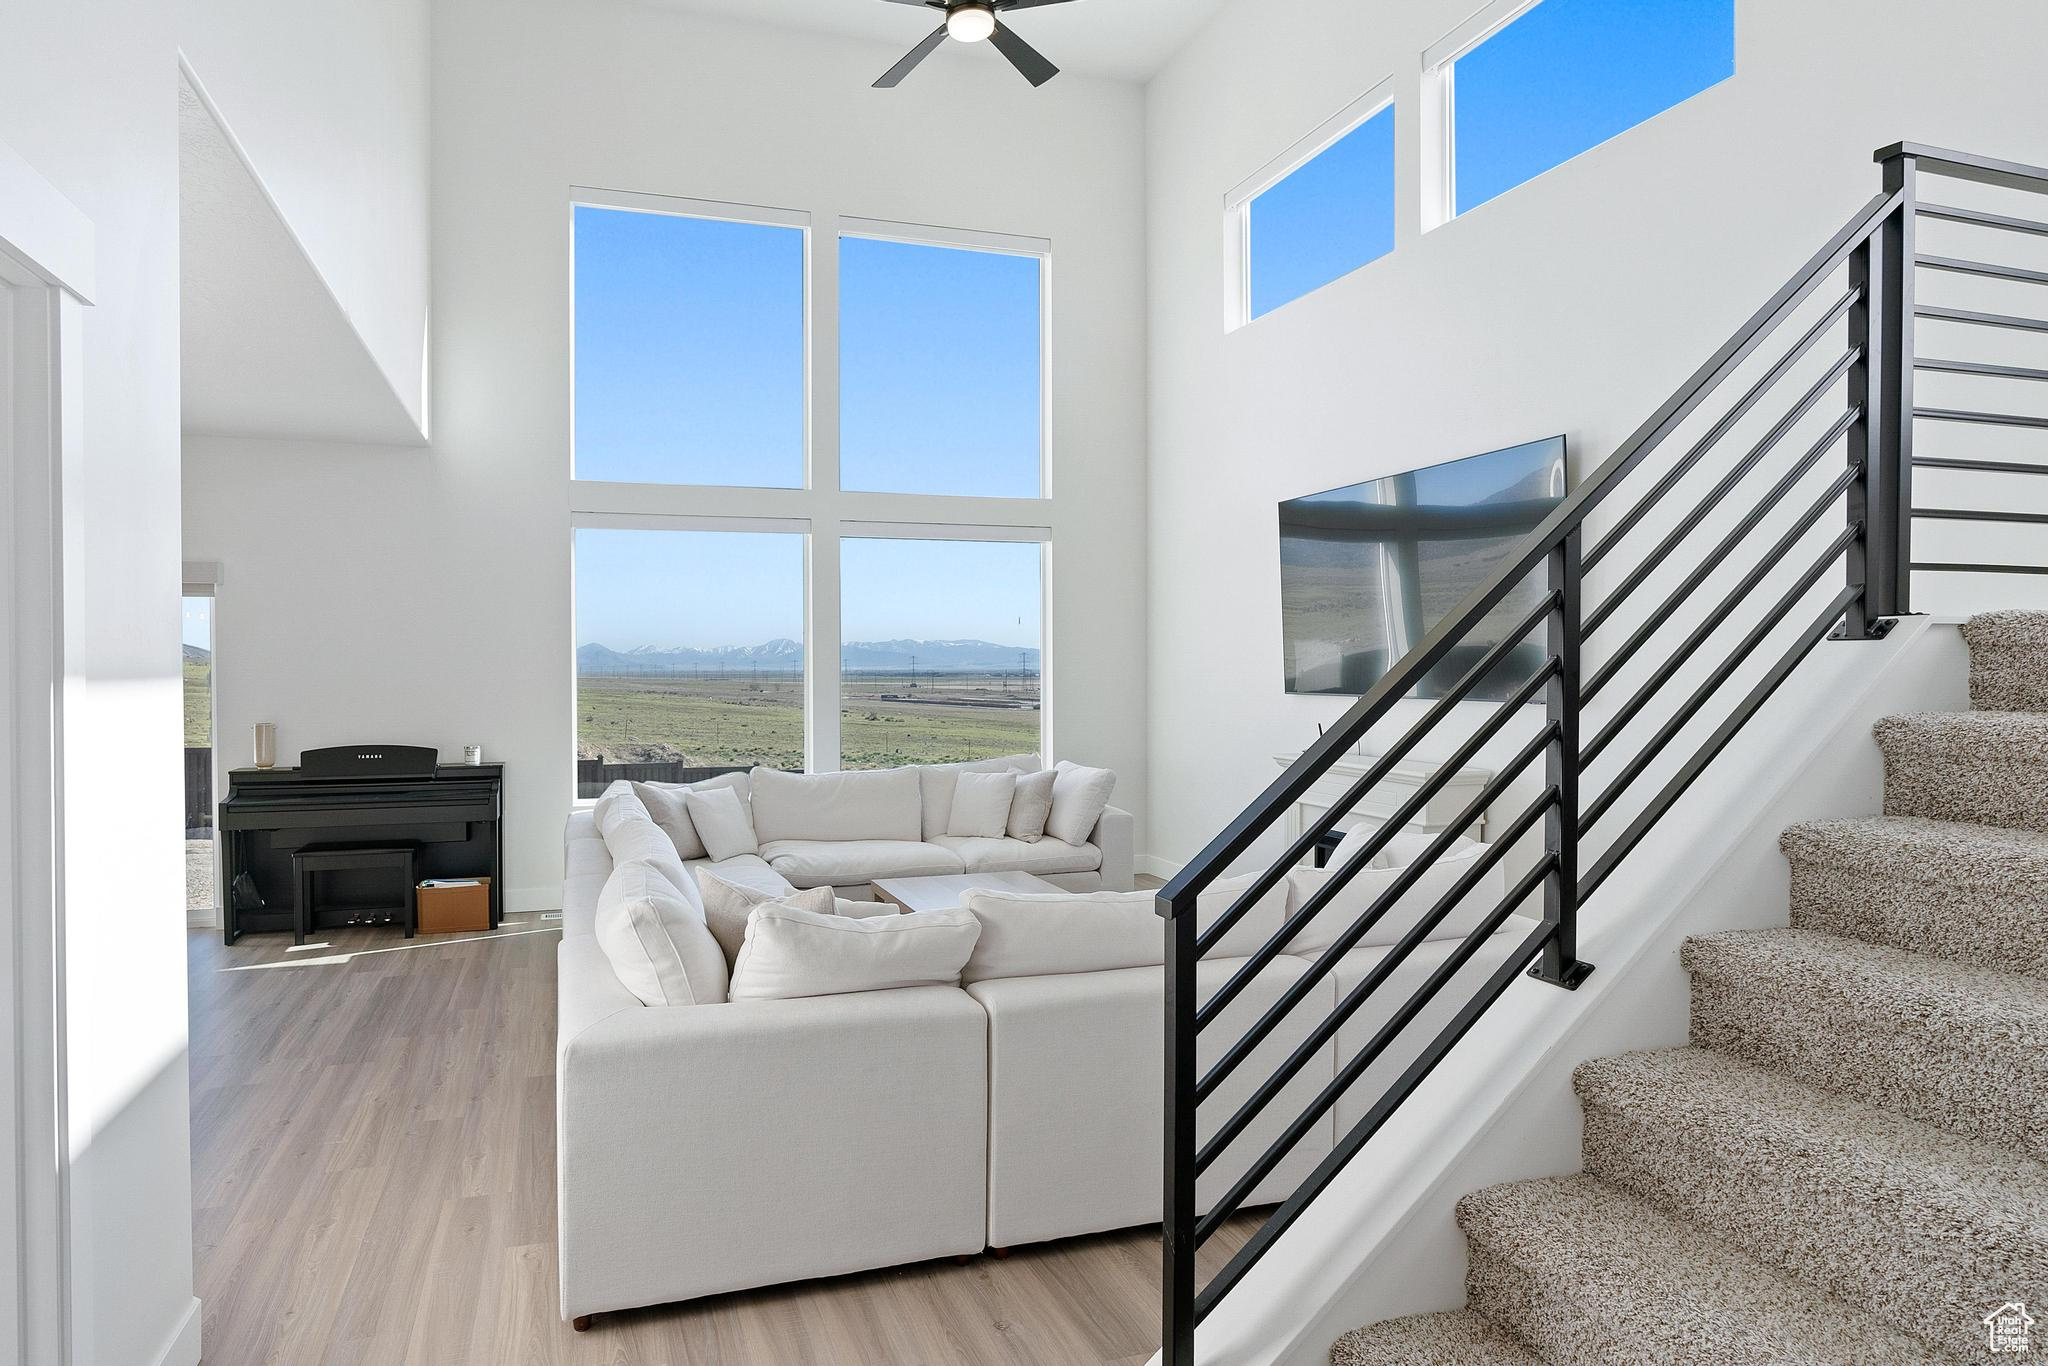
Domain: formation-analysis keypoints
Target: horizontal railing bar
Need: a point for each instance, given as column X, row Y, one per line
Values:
column 1655, row 620
column 1808, row 401
column 1975, row 367
column 1633, row 834
column 1313, row 906
column 1684, row 466
column 1283, row 1218
column 1942, row 567
column 1297, row 991
column 1976, row 515
column 1986, row 419
column 1943, row 161
column 1944, row 462
column 1980, row 218
column 1305, row 1051
column 1177, row 897
column 1959, row 265
column 1676, row 722
column 1373, row 776
column 1713, row 620
column 1972, row 316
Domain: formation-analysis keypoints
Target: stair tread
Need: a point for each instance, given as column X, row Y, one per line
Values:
column 1915, row 1225
column 1914, row 986
column 2005, row 653
column 1885, row 839
column 1956, row 1044
column 1888, row 1152
column 1457, row 1338
column 1587, row 1272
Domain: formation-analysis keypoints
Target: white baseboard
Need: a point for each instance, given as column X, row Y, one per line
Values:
column 182, row 1347
column 201, row 919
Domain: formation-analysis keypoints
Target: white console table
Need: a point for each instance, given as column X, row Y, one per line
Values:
column 1389, row 795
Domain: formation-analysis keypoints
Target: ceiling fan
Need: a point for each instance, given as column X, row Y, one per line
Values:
column 970, row 21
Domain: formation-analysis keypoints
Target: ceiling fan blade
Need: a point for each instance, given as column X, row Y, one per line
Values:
column 1027, row 4
column 1022, row 55
column 893, row 77
column 935, row 4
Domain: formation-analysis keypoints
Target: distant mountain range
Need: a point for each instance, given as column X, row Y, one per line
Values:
column 195, row 654
column 787, row 656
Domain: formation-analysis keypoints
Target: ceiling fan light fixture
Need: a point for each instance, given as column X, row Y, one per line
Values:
column 971, row 22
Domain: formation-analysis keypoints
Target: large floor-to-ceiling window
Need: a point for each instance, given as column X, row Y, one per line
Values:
column 808, row 490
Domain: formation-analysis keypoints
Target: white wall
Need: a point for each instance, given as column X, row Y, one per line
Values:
column 1573, row 304
column 329, row 101
column 425, row 596
column 88, row 97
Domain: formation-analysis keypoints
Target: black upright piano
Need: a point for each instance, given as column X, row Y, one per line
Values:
column 355, row 796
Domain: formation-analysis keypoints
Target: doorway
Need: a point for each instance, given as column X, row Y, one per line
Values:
column 202, row 884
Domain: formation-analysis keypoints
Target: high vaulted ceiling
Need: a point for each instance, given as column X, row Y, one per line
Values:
column 1124, row 39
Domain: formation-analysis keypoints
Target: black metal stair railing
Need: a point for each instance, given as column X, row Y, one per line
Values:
column 1605, row 694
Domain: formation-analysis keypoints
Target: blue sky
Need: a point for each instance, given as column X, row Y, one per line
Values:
column 198, row 622
column 939, row 360
column 742, row 588
column 1328, row 218
column 1570, row 74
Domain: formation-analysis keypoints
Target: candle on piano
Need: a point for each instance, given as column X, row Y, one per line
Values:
column 266, row 744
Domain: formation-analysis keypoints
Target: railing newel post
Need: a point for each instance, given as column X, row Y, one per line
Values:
column 1178, row 1240
column 1882, row 383
column 1564, row 635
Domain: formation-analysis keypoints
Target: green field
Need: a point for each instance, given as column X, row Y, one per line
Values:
column 198, row 704
column 884, row 720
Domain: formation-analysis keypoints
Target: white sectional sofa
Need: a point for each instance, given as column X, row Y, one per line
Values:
column 711, row 1148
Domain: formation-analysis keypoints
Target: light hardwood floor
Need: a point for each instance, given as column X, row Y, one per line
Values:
column 373, row 1182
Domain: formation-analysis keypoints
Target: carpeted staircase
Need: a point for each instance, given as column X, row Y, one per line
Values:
column 1849, row 1164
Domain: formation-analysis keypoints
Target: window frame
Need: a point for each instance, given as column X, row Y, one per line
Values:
column 1237, row 205
column 821, row 510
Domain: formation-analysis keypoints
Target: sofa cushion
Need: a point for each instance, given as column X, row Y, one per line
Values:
column 981, row 805
column 792, row 953
column 1031, row 805
column 846, row 863
column 1079, row 797
column 720, row 818
column 748, row 870
column 654, row 934
column 635, row 838
column 728, row 906
column 873, row 804
column 935, row 785
column 1007, row 855
column 615, row 804
column 1359, row 894
column 1042, row 935
column 664, row 802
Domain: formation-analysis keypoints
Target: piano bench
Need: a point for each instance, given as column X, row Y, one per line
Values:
column 315, row 859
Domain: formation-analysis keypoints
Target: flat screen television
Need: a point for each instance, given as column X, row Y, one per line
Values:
column 1367, row 570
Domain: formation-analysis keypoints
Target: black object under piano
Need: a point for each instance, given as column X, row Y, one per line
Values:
column 354, row 796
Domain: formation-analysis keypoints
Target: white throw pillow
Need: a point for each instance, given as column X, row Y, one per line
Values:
column 981, row 805
column 665, row 805
column 722, row 823
column 1031, row 806
column 1359, row 894
column 791, row 953
column 935, row 785
column 1079, row 797
column 1049, row 934
column 727, row 905
column 872, row 804
column 655, row 936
